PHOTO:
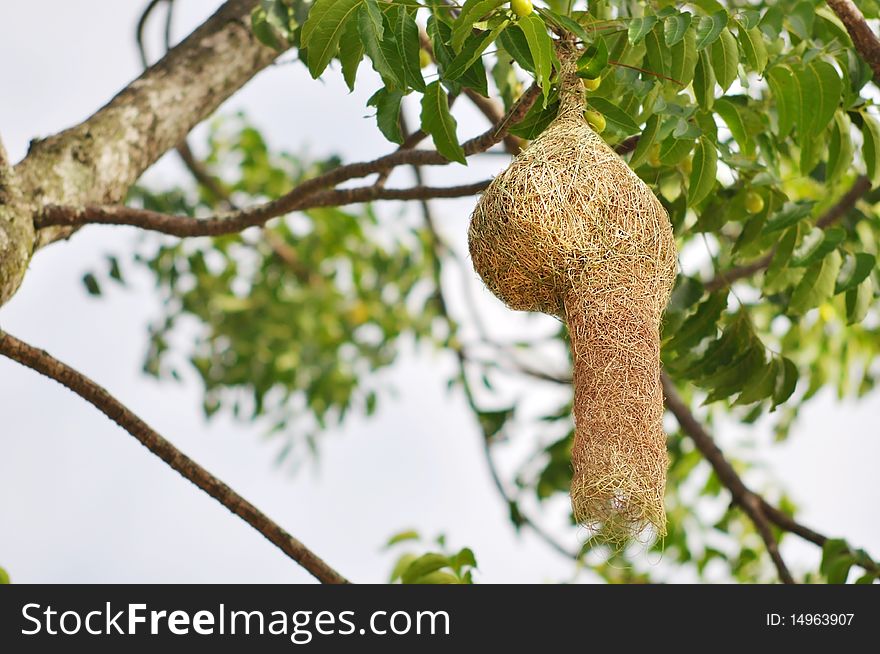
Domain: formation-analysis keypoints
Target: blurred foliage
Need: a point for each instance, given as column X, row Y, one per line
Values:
column 432, row 567
column 290, row 323
column 754, row 119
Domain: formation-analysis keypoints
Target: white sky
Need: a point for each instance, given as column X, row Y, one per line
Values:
column 81, row 501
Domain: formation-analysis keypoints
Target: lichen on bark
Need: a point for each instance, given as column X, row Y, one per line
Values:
column 98, row 160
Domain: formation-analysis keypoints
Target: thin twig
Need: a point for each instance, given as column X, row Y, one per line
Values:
column 646, row 71
column 45, row 364
column 187, row 226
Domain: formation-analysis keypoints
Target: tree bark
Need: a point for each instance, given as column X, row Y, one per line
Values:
column 98, row 160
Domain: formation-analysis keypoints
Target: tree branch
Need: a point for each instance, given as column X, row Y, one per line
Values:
column 300, row 196
column 866, row 42
column 741, row 494
column 842, row 207
column 495, row 114
column 97, row 161
column 45, row 364
column 726, row 473
column 187, row 226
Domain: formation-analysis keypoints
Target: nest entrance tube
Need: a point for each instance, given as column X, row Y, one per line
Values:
column 570, row 230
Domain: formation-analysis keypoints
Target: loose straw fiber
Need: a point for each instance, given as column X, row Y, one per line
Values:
column 570, row 230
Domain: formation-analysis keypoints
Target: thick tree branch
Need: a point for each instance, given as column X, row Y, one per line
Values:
column 97, row 161
column 45, row 364
column 300, row 196
column 842, row 207
column 16, row 229
column 866, row 42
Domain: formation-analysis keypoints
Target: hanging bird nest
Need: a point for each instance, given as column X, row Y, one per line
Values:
column 568, row 229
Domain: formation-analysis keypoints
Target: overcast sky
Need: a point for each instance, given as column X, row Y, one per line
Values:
column 82, row 501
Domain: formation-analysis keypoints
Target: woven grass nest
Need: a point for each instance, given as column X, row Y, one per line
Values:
column 568, row 229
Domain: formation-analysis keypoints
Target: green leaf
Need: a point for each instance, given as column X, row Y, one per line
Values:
column 464, row 558
column 840, row 148
column 838, row 571
column 614, row 116
column 383, row 53
column 440, row 33
column 351, row 52
column 822, row 88
column 761, row 386
column 593, row 62
column 541, row 50
column 684, row 59
column 404, row 562
column 437, row 577
column 516, row 45
column 439, row 123
column 733, row 378
column 786, row 382
column 264, row 31
column 4, row 577
column 725, row 57
column 492, row 422
column 91, row 284
column 471, row 12
column 639, row 28
column 702, row 323
column 406, row 33
column 817, row 284
column 709, row 28
column 566, row 23
column 114, row 271
column 375, row 17
column 816, row 244
column 791, row 213
column 409, row 534
column 472, row 50
column 781, row 257
column 323, row 29
column 833, row 549
column 782, row 84
column 752, row 42
column 673, row 150
column 801, row 19
column 871, row 147
column 675, row 27
column 748, row 18
column 858, row 301
column 730, row 113
column 854, row 270
column 387, row 103
column 646, row 140
column 536, row 121
column 704, row 81
column 654, row 52
column 423, row 565
column 704, row 168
